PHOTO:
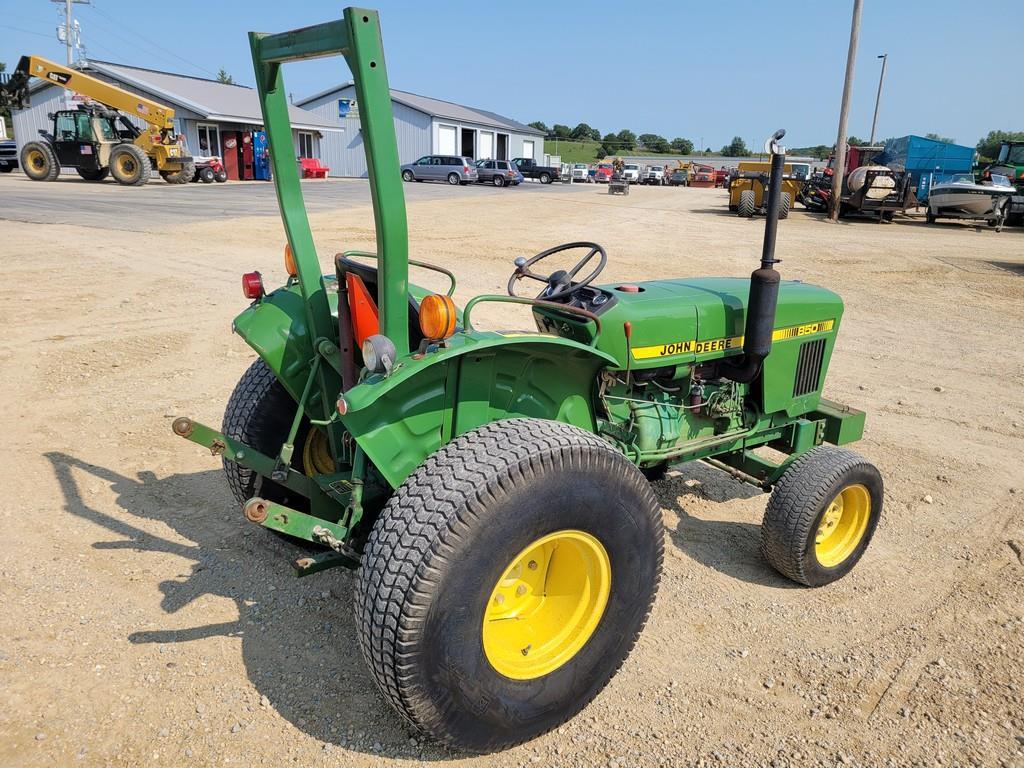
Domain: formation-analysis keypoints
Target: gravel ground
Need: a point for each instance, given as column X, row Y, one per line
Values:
column 144, row 622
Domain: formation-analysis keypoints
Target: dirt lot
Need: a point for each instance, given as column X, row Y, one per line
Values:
column 143, row 622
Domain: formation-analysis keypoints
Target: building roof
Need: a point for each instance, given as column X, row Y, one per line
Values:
column 439, row 108
column 209, row 99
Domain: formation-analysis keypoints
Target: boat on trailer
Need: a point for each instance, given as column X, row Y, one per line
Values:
column 962, row 197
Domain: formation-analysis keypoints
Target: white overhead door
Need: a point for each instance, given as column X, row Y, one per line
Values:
column 446, row 139
column 486, row 140
column 528, row 149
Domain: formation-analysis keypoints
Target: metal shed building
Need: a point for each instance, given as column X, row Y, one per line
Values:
column 424, row 126
column 213, row 116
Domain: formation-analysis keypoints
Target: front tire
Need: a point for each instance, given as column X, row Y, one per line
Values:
column 747, row 207
column 407, row 176
column 822, row 515
column 39, row 162
column 785, row 203
column 130, row 165
column 184, row 176
column 207, row 175
column 477, row 535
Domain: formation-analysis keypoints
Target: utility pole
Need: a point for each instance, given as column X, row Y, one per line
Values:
column 70, row 32
column 878, row 98
column 844, row 113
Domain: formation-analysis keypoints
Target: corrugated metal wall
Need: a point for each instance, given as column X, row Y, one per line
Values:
column 343, row 151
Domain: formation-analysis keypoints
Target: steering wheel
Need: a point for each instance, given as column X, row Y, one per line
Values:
column 559, row 283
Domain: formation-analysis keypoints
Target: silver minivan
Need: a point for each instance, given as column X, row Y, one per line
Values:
column 450, row 168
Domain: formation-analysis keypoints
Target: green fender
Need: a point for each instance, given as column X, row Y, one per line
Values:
column 479, row 377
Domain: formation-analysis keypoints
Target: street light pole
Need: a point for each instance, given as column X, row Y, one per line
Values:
column 878, row 98
column 844, row 113
column 70, row 36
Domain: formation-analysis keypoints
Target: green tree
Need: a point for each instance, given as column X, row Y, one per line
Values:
column 626, row 139
column 988, row 147
column 682, row 146
column 654, row 142
column 936, row 137
column 224, row 77
column 735, row 148
column 853, row 141
column 601, row 153
column 584, row 132
column 609, row 144
column 539, row 126
column 560, row 131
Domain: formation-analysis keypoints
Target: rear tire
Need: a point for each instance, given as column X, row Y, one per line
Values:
column 207, row 175
column 545, row 178
column 93, row 174
column 498, row 181
column 39, row 162
column 785, row 203
column 130, row 165
column 822, row 515
column 746, row 208
column 259, row 414
column 221, row 176
column 929, row 217
column 184, row 176
column 453, row 179
column 428, row 586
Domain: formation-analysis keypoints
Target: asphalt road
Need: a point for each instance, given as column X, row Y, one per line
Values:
column 108, row 205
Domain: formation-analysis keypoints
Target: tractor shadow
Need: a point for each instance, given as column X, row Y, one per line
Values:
column 730, row 547
column 298, row 637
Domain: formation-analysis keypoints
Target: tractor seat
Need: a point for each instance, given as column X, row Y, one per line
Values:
column 368, row 274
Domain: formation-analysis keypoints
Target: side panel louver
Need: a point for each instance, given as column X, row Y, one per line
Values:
column 808, row 367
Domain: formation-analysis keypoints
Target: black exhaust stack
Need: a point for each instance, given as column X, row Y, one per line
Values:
column 764, row 282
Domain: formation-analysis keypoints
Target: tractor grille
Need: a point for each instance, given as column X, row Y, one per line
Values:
column 808, row 367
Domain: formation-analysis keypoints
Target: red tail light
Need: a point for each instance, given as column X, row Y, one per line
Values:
column 465, row 169
column 252, row 285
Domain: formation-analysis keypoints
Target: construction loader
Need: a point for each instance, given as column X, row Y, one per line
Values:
column 97, row 139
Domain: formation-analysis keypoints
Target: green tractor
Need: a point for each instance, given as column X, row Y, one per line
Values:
column 1010, row 163
column 492, row 488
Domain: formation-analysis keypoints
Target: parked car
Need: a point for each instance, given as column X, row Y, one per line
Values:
column 496, row 172
column 450, row 168
column 8, row 155
column 580, row 172
column 545, row 174
column 604, row 172
column 631, row 173
column 679, row 178
column 655, row 175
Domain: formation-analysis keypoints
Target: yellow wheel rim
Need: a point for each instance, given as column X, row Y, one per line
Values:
column 843, row 525
column 36, row 160
column 126, row 164
column 547, row 604
column 316, row 454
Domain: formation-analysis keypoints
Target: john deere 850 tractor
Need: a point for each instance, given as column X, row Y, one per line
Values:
column 491, row 488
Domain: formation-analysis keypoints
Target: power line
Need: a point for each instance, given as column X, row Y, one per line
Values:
column 24, row 31
column 152, row 43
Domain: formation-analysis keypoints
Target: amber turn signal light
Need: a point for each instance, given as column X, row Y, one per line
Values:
column 437, row 316
column 289, row 261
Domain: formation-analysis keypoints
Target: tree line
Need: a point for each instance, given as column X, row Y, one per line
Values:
column 627, row 141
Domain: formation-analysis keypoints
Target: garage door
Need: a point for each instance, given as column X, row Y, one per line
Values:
column 528, row 149
column 446, row 140
column 486, row 145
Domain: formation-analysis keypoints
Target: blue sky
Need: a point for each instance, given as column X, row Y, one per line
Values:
column 707, row 70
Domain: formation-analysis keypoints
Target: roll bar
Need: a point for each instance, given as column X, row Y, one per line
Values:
column 356, row 37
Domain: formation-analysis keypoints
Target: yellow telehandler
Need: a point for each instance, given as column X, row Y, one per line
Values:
column 97, row 139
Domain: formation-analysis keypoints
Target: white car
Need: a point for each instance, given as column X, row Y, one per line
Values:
column 631, row 173
column 580, row 173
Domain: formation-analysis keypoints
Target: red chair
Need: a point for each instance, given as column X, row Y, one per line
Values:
column 311, row 168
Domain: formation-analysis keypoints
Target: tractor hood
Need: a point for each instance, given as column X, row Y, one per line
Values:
column 685, row 321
